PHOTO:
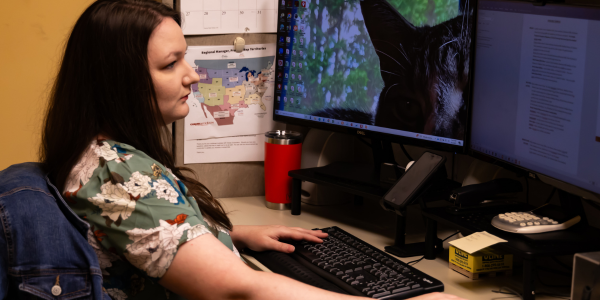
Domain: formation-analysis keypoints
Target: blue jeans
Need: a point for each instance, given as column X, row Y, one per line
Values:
column 43, row 244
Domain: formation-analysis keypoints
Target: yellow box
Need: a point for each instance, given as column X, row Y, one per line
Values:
column 485, row 260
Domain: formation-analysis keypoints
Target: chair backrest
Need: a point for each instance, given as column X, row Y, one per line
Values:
column 43, row 245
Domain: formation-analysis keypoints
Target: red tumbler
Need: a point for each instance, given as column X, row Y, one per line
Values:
column 282, row 154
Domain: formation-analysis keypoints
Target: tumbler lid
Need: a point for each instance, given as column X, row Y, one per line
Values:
column 283, row 137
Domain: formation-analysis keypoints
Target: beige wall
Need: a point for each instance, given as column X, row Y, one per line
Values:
column 32, row 33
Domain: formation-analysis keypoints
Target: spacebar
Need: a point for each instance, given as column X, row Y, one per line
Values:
column 327, row 276
column 405, row 294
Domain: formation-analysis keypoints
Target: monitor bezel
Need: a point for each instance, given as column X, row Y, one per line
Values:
column 381, row 135
column 517, row 169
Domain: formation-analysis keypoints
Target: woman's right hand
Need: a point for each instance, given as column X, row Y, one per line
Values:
column 437, row 296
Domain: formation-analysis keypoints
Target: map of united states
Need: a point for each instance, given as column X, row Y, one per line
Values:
column 228, row 86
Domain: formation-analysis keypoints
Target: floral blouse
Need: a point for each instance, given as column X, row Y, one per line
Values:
column 139, row 214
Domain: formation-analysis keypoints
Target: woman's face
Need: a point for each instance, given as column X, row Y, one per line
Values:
column 171, row 75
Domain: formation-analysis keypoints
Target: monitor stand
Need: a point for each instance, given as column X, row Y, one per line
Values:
column 429, row 248
column 365, row 180
column 382, row 173
column 371, row 181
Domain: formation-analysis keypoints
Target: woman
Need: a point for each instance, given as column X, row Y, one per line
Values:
column 158, row 233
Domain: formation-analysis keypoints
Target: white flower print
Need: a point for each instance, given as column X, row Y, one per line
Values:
column 164, row 190
column 114, row 201
column 106, row 152
column 235, row 251
column 217, row 227
column 125, row 157
column 196, row 231
column 116, row 294
column 138, row 185
column 82, row 172
column 221, row 229
column 105, row 258
column 153, row 249
column 173, row 174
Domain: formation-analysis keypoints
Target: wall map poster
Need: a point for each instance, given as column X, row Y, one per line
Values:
column 232, row 100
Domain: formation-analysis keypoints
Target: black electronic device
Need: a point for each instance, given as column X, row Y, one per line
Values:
column 427, row 170
column 474, row 194
column 381, row 69
column 352, row 265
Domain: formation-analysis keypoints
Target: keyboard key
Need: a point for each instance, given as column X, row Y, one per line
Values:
column 385, row 293
column 416, row 286
column 400, row 290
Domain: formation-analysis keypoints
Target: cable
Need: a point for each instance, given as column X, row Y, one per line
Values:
column 551, row 194
column 527, row 189
column 405, row 152
column 414, row 262
column 537, row 274
column 453, row 156
column 557, row 272
column 513, row 292
column 562, row 264
column 457, row 232
column 510, row 291
column 592, row 203
column 363, row 141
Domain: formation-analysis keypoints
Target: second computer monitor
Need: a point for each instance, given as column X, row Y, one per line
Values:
column 536, row 95
column 395, row 69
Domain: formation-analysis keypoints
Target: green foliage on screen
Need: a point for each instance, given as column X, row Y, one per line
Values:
column 356, row 80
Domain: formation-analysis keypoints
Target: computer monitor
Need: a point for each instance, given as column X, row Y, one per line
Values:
column 393, row 70
column 536, row 94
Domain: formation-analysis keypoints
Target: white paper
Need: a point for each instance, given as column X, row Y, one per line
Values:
column 228, row 149
column 228, row 16
column 234, row 100
column 551, row 91
column 476, row 242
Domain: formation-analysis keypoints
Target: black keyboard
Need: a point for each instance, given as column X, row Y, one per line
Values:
column 351, row 265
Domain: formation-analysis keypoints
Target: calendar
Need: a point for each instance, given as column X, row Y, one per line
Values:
column 228, row 16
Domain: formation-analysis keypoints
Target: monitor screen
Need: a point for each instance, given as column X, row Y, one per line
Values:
column 395, row 68
column 536, row 89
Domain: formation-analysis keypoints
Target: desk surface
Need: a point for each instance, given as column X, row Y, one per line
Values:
column 375, row 226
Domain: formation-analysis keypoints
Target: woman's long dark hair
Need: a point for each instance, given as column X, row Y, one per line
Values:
column 104, row 87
